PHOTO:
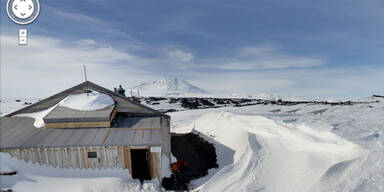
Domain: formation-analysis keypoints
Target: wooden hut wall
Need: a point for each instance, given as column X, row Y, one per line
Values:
column 166, row 137
column 72, row 157
column 155, row 165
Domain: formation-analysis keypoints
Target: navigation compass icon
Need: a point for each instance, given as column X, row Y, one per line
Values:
column 23, row 12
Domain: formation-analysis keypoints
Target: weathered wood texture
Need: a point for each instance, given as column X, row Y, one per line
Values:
column 155, row 165
column 72, row 157
column 78, row 125
column 166, row 137
column 77, row 157
column 113, row 115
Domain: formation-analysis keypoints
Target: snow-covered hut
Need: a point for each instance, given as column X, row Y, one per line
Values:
column 88, row 126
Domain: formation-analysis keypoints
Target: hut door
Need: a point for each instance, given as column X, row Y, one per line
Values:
column 140, row 168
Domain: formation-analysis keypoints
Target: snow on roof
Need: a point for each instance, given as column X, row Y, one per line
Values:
column 126, row 105
column 87, row 101
column 83, row 102
column 38, row 116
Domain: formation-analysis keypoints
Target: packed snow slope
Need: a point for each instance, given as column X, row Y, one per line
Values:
column 167, row 87
column 274, row 156
column 362, row 124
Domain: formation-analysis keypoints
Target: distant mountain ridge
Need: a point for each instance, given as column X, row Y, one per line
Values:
column 167, row 87
column 174, row 87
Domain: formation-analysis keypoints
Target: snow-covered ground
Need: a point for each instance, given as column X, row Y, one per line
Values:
column 8, row 105
column 36, row 178
column 292, row 152
column 258, row 150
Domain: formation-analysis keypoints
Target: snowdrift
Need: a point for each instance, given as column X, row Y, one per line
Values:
column 274, row 156
column 87, row 101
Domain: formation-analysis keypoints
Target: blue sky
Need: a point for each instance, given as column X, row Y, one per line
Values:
column 315, row 49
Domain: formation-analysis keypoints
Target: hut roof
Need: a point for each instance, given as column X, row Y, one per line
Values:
column 63, row 114
column 19, row 132
column 134, row 124
column 124, row 104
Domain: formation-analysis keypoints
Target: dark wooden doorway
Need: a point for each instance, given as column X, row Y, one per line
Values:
column 140, row 168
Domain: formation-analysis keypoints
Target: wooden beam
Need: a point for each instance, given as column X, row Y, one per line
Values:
column 106, row 137
column 127, row 128
column 113, row 115
column 133, row 137
column 85, row 157
column 77, row 125
column 123, row 156
column 130, row 160
column 152, row 166
column 138, row 147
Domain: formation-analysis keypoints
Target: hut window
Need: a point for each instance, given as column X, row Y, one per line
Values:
column 92, row 154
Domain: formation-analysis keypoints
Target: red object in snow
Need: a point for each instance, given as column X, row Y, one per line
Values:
column 175, row 167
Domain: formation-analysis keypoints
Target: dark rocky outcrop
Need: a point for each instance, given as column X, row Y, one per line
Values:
column 198, row 153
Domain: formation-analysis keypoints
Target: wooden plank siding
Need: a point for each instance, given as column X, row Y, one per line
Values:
column 71, row 157
column 77, row 157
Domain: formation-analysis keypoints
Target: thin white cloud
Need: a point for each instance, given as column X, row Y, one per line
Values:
column 338, row 83
column 252, row 51
column 264, row 57
column 86, row 43
column 178, row 55
column 271, row 63
column 47, row 64
column 78, row 17
column 104, row 26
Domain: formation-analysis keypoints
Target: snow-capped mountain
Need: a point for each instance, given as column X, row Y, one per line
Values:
column 173, row 87
column 167, row 87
